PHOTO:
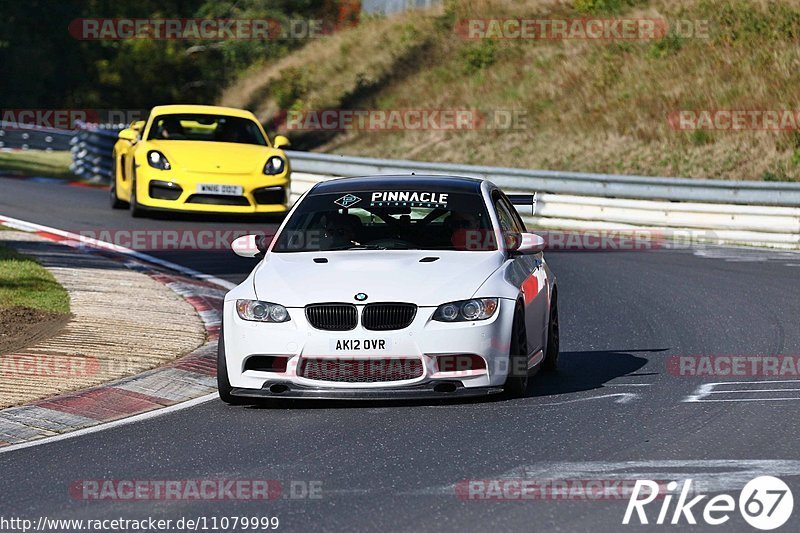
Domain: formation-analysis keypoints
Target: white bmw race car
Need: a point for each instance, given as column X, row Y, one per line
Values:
column 391, row 287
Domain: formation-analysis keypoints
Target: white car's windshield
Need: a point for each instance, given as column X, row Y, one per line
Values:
column 391, row 220
column 203, row 127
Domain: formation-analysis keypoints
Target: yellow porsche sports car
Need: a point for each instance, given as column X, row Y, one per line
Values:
column 202, row 159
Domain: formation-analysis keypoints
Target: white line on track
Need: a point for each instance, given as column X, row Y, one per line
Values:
column 703, row 392
column 108, row 425
column 745, row 391
column 107, row 246
column 622, row 397
column 102, row 245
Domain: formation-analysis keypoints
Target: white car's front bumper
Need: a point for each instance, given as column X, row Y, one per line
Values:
column 297, row 344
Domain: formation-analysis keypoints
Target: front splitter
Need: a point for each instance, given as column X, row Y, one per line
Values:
column 422, row 391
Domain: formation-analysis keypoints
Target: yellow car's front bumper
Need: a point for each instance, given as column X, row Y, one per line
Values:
column 159, row 190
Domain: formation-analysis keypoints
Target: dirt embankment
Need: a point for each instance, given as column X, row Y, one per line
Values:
column 21, row 327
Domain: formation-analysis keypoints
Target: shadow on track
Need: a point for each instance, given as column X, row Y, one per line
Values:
column 583, row 371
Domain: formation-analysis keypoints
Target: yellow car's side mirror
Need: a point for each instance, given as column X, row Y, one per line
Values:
column 280, row 142
column 129, row 134
column 138, row 125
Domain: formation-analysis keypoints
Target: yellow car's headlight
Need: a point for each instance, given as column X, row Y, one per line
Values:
column 157, row 160
column 275, row 165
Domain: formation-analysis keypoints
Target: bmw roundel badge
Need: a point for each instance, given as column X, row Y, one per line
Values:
column 360, row 297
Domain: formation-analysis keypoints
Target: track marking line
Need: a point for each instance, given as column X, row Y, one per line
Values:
column 702, row 394
column 75, row 240
column 109, row 425
column 103, row 245
column 623, row 397
column 744, row 391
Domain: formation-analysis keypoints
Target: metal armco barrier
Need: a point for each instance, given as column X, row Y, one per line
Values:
column 671, row 204
column 20, row 137
column 561, row 182
column 92, row 149
column 739, row 212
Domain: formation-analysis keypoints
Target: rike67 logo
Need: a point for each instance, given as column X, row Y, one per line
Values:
column 765, row 503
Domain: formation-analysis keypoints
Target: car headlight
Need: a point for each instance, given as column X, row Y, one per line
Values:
column 466, row 310
column 275, row 165
column 258, row 311
column 157, row 160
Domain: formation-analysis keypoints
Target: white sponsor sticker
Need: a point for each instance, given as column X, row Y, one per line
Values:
column 411, row 198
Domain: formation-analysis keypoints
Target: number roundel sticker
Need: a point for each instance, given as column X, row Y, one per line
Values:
column 766, row 502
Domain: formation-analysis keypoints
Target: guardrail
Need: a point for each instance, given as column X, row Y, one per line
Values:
column 92, row 148
column 22, row 137
column 561, row 182
column 740, row 212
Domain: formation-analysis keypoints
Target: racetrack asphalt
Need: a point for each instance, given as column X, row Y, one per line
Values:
column 613, row 410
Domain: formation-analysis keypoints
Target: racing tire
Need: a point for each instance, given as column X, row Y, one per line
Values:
column 551, row 354
column 516, row 384
column 223, row 384
column 137, row 211
column 116, row 203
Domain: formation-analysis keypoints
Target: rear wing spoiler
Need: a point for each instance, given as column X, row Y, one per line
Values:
column 523, row 199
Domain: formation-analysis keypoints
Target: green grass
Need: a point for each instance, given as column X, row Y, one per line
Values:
column 38, row 163
column 25, row 283
column 589, row 105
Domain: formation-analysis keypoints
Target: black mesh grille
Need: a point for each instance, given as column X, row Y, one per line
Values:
column 217, row 199
column 383, row 317
column 270, row 195
column 332, row 317
column 266, row 363
column 162, row 190
column 360, row 370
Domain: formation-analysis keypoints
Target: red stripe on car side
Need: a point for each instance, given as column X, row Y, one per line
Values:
column 530, row 288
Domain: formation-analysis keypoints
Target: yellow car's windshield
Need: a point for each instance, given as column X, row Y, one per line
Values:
column 203, row 127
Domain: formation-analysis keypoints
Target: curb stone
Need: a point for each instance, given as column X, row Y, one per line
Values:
column 183, row 379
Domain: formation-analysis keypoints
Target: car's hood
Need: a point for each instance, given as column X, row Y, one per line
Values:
column 295, row 279
column 213, row 157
